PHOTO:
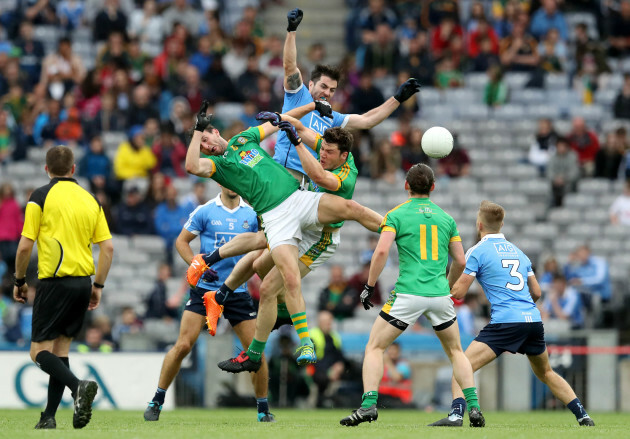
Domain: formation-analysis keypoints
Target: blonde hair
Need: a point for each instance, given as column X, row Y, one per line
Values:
column 491, row 216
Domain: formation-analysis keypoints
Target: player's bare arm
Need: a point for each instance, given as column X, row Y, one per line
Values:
column 196, row 165
column 292, row 75
column 105, row 257
column 459, row 290
column 315, row 171
column 379, row 114
column 456, row 250
column 23, row 255
column 309, row 137
column 534, row 288
column 182, row 244
column 380, row 255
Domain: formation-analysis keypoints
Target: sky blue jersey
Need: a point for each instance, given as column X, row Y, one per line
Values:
column 215, row 225
column 502, row 270
column 285, row 154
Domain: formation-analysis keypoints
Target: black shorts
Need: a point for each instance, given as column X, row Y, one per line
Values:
column 237, row 308
column 281, row 321
column 60, row 307
column 524, row 338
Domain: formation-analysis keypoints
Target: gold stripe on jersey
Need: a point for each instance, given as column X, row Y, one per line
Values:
column 385, row 217
column 388, row 229
column 261, row 130
column 423, row 241
column 434, row 242
column 64, row 219
column 455, row 239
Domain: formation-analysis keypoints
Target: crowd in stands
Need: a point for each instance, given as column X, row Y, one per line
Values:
column 142, row 68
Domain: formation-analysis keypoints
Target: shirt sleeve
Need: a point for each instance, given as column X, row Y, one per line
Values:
column 253, row 133
column 101, row 231
column 32, row 220
column 389, row 223
column 472, row 263
column 253, row 223
column 340, row 119
column 454, row 232
column 528, row 266
column 195, row 223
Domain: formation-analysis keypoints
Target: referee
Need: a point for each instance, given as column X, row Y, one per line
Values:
column 65, row 220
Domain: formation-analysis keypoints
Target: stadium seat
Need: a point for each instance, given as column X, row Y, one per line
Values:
column 556, row 81
column 228, row 112
column 541, row 231
column 528, row 96
column 564, row 215
column 606, row 246
column 618, row 232
column 111, row 139
column 430, row 96
column 586, row 232
column 473, row 111
column 148, row 243
column 476, row 81
column 592, row 113
column 509, row 112
column 134, row 257
column 594, row 186
column 521, row 172
column 578, row 200
column 543, row 111
column 516, row 80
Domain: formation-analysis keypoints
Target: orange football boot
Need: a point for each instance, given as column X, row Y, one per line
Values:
column 213, row 311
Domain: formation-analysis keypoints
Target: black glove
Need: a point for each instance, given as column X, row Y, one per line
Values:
column 203, row 120
column 323, row 108
column 294, row 17
column 210, row 276
column 366, row 295
column 291, row 132
column 409, row 88
column 269, row 116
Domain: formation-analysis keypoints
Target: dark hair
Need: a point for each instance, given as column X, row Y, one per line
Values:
column 564, row 140
column 59, row 160
column 559, row 276
column 420, row 178
column 324, row 70
column 341, row 137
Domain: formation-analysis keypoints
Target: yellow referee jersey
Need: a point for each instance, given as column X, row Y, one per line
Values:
column 65, row 220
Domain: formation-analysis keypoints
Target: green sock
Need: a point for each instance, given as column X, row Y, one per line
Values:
column 471, row 398
column 369, row 399
column 301, row 326
column 256, row 349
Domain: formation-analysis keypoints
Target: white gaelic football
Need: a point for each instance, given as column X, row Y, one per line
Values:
column 437, row 142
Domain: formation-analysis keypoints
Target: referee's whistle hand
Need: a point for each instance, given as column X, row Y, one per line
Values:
column 95, row 298
column 19, row 293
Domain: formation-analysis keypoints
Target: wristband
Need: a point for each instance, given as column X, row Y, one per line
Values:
column 97, row 285
column 19, row 282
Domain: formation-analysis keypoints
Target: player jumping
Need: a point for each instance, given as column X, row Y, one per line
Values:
column 425, row 235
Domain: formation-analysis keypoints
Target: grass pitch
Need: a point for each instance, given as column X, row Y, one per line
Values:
column 306, row 424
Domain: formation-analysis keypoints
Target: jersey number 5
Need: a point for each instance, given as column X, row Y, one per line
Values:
column 513, row 264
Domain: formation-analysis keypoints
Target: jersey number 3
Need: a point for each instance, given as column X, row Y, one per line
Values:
column 513, row 264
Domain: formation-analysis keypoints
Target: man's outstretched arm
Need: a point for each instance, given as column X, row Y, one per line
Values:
column 379, row 114
column 292, row 75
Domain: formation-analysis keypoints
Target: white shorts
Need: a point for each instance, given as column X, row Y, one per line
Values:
column 318, row 247
column 408, row 308
column 284, row 223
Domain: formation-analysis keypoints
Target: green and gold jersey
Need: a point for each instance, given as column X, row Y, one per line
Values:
column 346, row 175
column 249, row 171
column 423, row 234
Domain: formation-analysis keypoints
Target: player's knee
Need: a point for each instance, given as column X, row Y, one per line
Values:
column 353, row 208
column 182, row 348
column 292, row 284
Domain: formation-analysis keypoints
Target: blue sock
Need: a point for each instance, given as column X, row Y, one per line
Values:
column 458, row 407
column 160, row 394
column 263, row 405
column 222, row 294
column 577, row 408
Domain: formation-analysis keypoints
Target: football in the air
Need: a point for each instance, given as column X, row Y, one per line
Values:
column 437, row 142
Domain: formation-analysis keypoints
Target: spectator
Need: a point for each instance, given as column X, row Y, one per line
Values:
column 133, row 216
column 412, row 152
column 496, row 91
column 622, row 103
column 338, row 297
column 482, row 32
column 441, row 35
column 6, row 137
column 551, row 268
column 129, row 323
column 553, row 52
column 418, row 60
column 103, row 322
column 96, row 166
column 62, row 70
column 315, row 55
column 548, row 17
column 108, row 118
column 358, row 280
column 169, row 152
column 381, row 57
column 134, row 158
column 619, row 31
column 109, row 19
column 563, row 171
column 374, row 14
column 608, row 159
column 486, row 58
column 114, row 56
column 11, row 222
column 95, row 342
column 332, row 367
column 385, row 161
column 585, row 143
column 70, row 13
column 435, row 11
column 518, row 51
column 395, row 390
column 265, row 98
column 270, row 62
column 456, row 164
column 31, row 53
column 157, row 303
column 170, row 217
column 589, row 275
column 366, row 96
column 148, row 27
column 181, row 12
column 477, row 14
column 588, row 48
column 562, row 303
column 543, row 146
column 156, row 193
column 195, row 198
column 70, row 130
column 505, row 17
column 20, row 330
column 620, row 209
column 448, row 75
column 47, row 122
column 287, row 383
column 141, row 107
column 166, row 63
column 202, row 59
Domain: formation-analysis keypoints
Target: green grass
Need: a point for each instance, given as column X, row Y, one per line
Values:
column 306, row 424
